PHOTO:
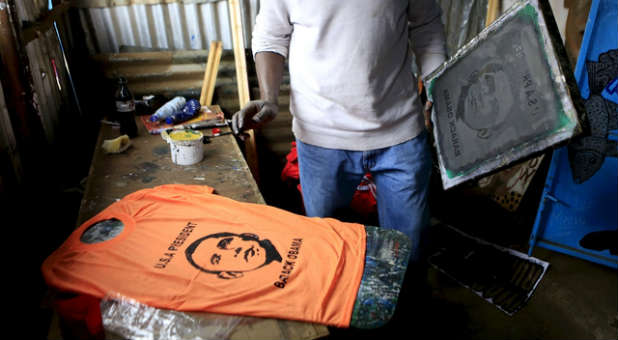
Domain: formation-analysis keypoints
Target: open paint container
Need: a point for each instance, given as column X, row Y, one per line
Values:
column 186, row 146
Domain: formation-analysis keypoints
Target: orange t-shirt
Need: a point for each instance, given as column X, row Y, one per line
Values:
column 187, row 249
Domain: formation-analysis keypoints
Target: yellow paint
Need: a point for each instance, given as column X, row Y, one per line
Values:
column 186, row 135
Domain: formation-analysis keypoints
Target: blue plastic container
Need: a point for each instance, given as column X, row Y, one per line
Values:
column 569, row 211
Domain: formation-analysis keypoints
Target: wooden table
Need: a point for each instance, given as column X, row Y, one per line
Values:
column 147, row 163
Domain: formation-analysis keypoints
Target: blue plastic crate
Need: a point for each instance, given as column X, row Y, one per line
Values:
column 569, row 211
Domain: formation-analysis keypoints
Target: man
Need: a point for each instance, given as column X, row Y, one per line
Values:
column 353, row 98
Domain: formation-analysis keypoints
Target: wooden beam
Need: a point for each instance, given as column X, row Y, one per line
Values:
column 210, row 75
column 493, row 11
column 239, row 52
column 243, row 81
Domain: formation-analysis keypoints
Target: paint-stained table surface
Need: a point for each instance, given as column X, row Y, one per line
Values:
column 148, row 163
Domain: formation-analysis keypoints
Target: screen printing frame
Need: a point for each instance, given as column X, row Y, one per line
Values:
column 561, row 79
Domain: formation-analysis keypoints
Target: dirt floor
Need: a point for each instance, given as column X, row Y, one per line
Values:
column 575, row 299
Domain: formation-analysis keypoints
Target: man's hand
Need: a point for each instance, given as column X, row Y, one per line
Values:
column 254, row 115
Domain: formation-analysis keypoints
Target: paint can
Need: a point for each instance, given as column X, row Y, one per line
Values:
column 186, row 146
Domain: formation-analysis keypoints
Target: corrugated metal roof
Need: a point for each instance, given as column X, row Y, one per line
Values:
column 167, row 26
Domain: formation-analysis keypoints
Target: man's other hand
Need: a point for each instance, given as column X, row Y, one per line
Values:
column 254, row 115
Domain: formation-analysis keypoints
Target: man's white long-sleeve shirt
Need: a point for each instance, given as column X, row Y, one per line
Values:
column 351, row 80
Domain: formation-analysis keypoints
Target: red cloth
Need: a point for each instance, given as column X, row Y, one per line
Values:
column 290, row 171
column 363, row 201
column 82, row 315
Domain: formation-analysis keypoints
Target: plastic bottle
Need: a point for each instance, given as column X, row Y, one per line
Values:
column 125, row 108
column 187, row 112
column 168, row 109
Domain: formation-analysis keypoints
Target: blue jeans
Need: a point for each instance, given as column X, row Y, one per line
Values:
column 329, row 178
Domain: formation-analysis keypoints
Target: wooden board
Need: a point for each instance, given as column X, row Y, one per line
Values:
column 210, row 75
column 493, row 10
column 243, row 81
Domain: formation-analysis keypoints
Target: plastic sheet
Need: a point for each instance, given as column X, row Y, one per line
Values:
column 129, row 319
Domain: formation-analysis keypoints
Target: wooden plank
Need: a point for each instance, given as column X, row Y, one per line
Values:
column 239, row 52
column 243, row 81
column 493, row 10
column 210, row 75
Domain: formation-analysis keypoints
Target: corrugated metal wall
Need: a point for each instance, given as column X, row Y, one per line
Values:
column 166, row 26
column 31, row 10
column 8, row 145
column 192, row 25
column 32, row 120
column 462, row 21
column 51, row 89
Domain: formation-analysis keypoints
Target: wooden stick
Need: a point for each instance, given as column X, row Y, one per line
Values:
column 239, row 52
column 210, row 75
column 243, row 81
column 493, row 10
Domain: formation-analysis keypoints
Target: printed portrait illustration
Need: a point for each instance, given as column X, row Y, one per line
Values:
column 229, row 255
column 486, row 99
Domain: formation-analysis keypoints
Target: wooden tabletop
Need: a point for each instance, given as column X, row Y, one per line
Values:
column 148, row 163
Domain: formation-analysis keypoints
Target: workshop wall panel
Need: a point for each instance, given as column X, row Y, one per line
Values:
column 50, row 82
column 9, row 154
column 51, row 89
column 168, row 25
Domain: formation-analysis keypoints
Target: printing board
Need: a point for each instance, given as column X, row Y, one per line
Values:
column 507, row 94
